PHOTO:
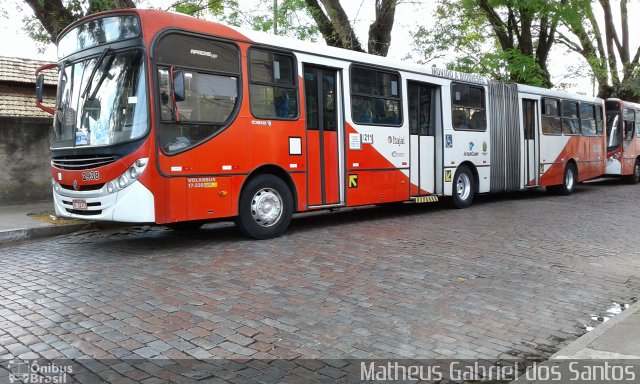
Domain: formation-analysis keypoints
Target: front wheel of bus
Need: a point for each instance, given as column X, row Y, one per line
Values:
column 463, row 188
column 265, row 209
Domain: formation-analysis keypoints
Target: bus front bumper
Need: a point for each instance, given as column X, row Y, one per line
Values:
column 133, row 204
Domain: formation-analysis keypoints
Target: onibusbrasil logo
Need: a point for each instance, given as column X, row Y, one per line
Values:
column 35, row 372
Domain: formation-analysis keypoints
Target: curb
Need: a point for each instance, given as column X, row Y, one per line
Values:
column 19, row 234
column 586, row 339
column 569, row 351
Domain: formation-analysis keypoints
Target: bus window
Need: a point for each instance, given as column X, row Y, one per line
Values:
column 421, row 109
column 468, row 111
column 551, row 117
column 638, row 123
column 211, row 71
column 208, row 105
column 587, row 119
column 570, row 120
column 629, row 123
column 599, row 120
column 375, row 97
column 273, row 91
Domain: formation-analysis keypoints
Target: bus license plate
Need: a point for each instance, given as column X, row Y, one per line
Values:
column 80, row 205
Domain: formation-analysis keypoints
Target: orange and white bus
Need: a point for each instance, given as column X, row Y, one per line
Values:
column 623, row 145
column 163, row 118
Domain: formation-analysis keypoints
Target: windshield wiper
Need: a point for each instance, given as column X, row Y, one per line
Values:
column 94, row 70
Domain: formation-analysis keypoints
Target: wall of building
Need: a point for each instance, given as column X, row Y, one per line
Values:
column 25, row 171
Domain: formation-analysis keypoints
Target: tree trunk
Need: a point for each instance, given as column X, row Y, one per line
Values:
column 53, row 15
column 380, row 29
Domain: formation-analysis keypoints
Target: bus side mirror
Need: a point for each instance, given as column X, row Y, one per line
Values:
column 40, row 88
column 178, row 86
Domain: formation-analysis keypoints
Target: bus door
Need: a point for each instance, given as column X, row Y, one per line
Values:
column 322, row 107
column 531, row 148
column 422, row 99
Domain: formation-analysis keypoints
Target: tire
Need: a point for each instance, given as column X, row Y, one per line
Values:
column 265, row 207
column 635, row 178
column 463, row 188
column 569, row 181
column 185, row 226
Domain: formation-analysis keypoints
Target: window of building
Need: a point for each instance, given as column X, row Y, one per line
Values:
column 468, row 107
column 587, row 119
column 570, row 118
column 273, row 91
column 375, row 97
column 551, row 117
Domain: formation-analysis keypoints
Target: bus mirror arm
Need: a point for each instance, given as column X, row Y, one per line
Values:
column 40, row 87
column 177, row 89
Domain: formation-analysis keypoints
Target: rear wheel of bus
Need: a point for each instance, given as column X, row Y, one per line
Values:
column 635, row 177
column 463, row 187
column 265, row 208
column 569, row 181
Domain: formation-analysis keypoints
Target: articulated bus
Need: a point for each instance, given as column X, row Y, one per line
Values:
column 623, row 145
column 167, row 119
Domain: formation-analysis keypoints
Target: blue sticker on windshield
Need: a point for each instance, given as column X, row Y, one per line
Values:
column 81, row 139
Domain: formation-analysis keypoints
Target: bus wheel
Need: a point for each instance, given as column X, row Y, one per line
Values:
column 463, row 187
column 635, row 178
column 185, row 226
column 265, row 209
column 569, row 181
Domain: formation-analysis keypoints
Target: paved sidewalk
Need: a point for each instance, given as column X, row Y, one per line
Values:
column 618, row 338
column 34, row 220
column 616, row 342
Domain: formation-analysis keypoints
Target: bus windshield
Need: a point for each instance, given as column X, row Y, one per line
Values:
column 102, row 100
column 612, row 129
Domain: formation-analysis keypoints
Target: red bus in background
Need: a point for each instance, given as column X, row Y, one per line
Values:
column 623, row 139
column 163, row 118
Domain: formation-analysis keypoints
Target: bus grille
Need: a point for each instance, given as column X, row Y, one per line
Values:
column 82, row 162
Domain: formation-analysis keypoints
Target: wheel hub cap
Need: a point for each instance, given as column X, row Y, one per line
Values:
column 463, row 186
column 266, row 207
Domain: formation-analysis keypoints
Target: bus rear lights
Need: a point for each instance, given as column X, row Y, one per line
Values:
column 128, row 177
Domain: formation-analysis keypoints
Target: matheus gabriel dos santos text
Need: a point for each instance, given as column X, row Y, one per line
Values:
column 573, row 371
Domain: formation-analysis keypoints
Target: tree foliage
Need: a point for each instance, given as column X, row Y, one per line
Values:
column 302, row 19
column 606, row 48
column 52, row 16
column 508, row 40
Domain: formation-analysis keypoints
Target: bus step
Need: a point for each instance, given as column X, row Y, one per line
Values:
column 426, row 199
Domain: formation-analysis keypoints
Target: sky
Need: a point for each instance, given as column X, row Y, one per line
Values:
column 409, row 14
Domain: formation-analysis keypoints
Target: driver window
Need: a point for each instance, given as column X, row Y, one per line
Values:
column 211, row 71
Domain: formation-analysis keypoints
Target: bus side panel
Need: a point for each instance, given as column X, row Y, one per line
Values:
column 555, row 152
column 300, row 180
column 598, row 156
column 376, row 187
column 381, row 158
column 176, row 206
column 208, row 197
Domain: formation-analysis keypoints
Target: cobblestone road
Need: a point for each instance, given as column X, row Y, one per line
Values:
column 515, row 275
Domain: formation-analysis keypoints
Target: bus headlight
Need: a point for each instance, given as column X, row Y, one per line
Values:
column 128, row 177
column 133, row 173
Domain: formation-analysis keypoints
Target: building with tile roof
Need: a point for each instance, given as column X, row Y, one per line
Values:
column 18, row 84
column 24, row 132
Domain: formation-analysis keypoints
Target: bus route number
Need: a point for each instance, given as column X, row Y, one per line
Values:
column 367, row 138
column 90, row 176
